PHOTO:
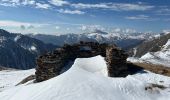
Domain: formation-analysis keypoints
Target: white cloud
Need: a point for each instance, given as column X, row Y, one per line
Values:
column 30, row 27
column 138, row 17
column 59, row 2
column 115, row 6
column 142, row 17
column 125, row 30
column 117, row 30
column 42, row 6
column 85, row 6
column 8, row 4
column 137, row 7
column 166, row 31
column 67, row 11
column 83, row 27
column 52, row 3
column 57, row 27
column 68, row 29
column 128, row 30
column 14, row 3
column 9, row 23
column 28, row 2
column 91, row 28
column 163, row 11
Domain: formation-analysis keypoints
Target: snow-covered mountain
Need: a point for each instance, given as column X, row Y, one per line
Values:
column 157, row 51
column 19, row 51
column 87, row 80
column 123, row 40
column 153, row 44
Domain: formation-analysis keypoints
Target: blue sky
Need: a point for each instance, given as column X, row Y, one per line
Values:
column 78, row 16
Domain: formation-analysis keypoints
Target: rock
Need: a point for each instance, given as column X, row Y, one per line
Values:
column 29, row 78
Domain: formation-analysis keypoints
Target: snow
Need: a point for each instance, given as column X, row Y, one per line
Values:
column 9, row 78
column 134, row 51
column 157, row 36
column 29, row 47
column 33, row 48
column 161, row 57
column 89, row 65
column 167, row 45
column 17, row 37
column 134, row 59
column 87, row 80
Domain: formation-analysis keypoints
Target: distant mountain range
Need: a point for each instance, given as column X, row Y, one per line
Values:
column 124, row 41
column 20, row 51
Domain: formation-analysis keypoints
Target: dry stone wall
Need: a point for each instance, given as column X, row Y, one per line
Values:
column 51, row 64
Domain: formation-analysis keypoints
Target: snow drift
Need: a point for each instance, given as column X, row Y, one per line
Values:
column 9, row 78
column 87, row 80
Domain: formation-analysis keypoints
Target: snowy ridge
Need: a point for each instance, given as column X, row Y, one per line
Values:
column 86, row 80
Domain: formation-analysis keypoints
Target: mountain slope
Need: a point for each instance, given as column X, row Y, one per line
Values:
column 161, row 57
column 19, row 51
column 87, row 80
column 152, row 45
column 14, row 56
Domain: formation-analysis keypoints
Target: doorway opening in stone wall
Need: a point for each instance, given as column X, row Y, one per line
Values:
column 59, row 61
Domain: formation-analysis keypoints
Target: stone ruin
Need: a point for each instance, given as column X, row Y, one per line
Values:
column 53, row 63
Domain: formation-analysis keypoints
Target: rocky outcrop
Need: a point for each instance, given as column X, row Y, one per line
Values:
column 53, row 63
column 27, row 79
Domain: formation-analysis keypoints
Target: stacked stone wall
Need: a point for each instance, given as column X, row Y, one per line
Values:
column 51, row 64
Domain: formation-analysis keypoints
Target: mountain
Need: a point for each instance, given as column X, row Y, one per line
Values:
column 87, row 80
column 20, row 51
column 153, row 45
column 123, row 40
column 155, row 51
